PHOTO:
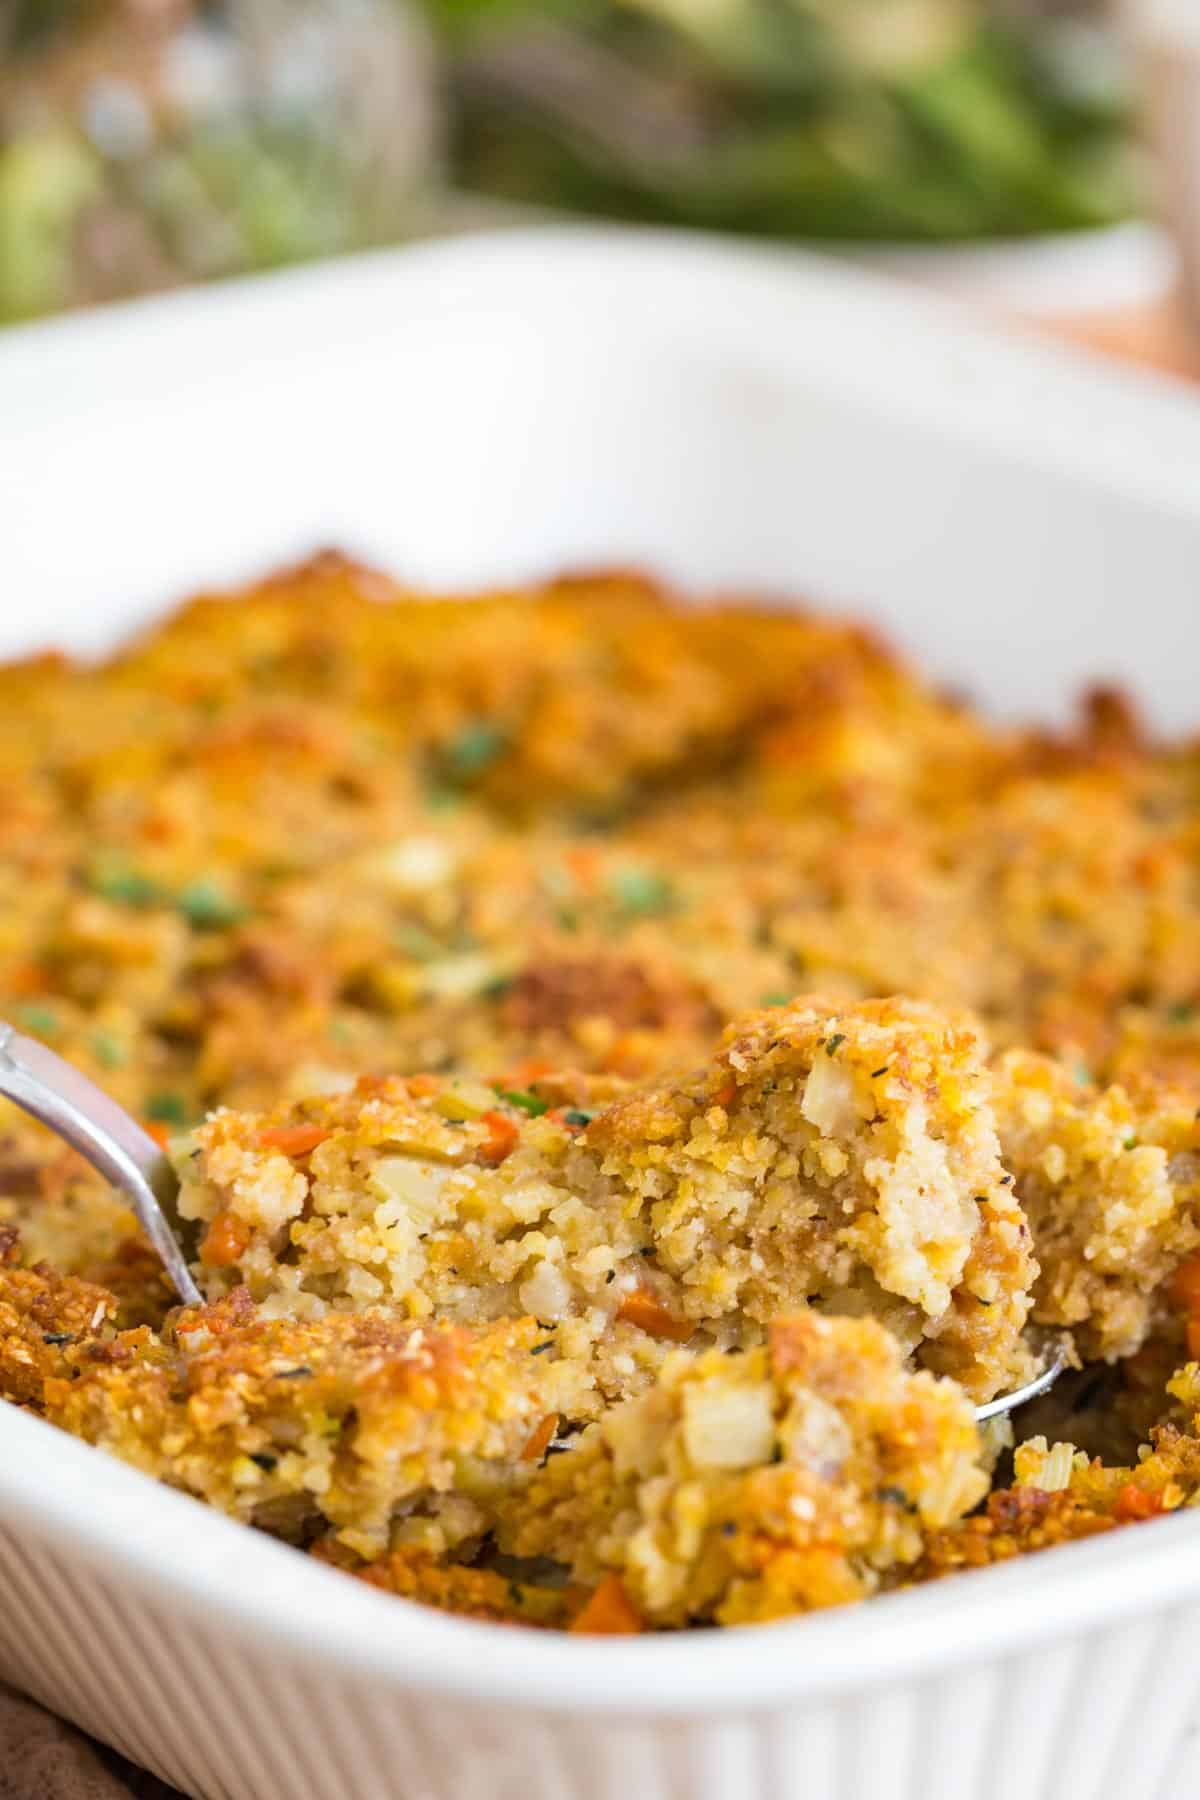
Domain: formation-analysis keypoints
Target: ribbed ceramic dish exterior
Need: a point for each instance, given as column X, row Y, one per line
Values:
column 223, row 1717
column 482, row 411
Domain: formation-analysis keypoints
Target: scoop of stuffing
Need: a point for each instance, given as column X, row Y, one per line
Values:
column 744, row 1488
column 1110, row 1182
column 843, row 1158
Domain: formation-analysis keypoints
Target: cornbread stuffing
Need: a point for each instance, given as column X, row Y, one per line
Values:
column 638, row 1074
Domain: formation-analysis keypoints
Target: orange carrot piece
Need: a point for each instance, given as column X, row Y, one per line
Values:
column 158, row 1131
column 224, row 1241
column 609, row 1612
column 1133, row 1502
column 293, row 1140
column 1184, row 1285
column 725, row 1094
column 540, row 1438
column 421, row 1086
column 642, row 1309
column 502, row 1135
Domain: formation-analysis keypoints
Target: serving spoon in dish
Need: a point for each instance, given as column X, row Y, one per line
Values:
column 54, row 1091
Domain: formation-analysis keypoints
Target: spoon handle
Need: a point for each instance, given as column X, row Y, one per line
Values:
column 41, row 1083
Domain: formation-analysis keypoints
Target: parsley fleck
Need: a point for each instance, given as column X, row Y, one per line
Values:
column 641, row 893
column 57, row 1337
column 876, row 1073
column 775, row 999
column 538, row 1349
column 528, row 1103
column 265, row 1460
column 473, row 750
column 577, row 1117
column 115, row 879
column 108, row 1051
column 168, row 1108
column 38, row 1019
column 834, row 1043
column 1181, row 1012
column 300, row 1373
column 205, row 904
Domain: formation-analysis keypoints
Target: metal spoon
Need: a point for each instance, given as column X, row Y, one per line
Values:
column 55, row 1092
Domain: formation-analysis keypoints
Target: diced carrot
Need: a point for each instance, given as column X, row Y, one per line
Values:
column 158, row 1131
column 1133, row 1502
column 26, row 979
column 540, row 1438
column 1184, row 1286
column 609, row 1612
column 1191, row 1334
column 502, row 1135
column 224, row 1241
column 584, row 864
column 642, row 1309
column 531, row 1069
column 293, row 1140
column 421, row 1086
column 725, row 1094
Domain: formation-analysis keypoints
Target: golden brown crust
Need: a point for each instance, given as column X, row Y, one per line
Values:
column 550, row 845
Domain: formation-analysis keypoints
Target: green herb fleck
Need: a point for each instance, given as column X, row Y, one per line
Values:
column 38, row 1019
column 539, row 1349
column 57, row 1337
column 1083, row 1074
column 297, row 1374
column 473, row 750
column 896, row 1495
column 775, row 999
column 528, row 1103
column 876, row 1073
column 1181, row 1012
column 115, row 879
column 641, row 893
column 108, row 1051
column 167, row 1108
column 419, row 944
column 265, row 1460
column 1131, row 1143
column 206, row 905
column 340, row 1031
column 577, row 1117
column 834, row 1044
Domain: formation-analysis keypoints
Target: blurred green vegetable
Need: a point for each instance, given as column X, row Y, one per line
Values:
column 853, row 119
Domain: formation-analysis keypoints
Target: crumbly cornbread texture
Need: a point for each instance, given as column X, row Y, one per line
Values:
column 505, row 975
column 746, row 1488
column 1110, row 1183
column 844, row 1158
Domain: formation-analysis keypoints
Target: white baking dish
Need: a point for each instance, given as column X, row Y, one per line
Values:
column 483, row 409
